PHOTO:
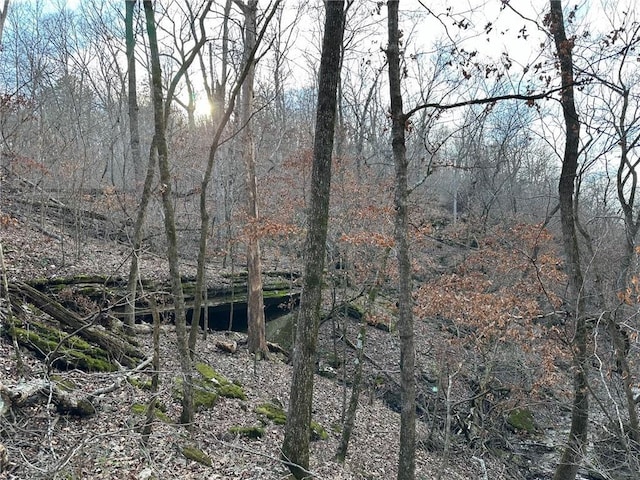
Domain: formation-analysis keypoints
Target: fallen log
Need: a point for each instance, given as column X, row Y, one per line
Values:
column 118, row 348
column 228, row 347
column 68, row 403
column 28, row 393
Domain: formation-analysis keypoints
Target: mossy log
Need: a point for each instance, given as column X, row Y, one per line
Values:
column 62, row 350
column 39, row 390
column 119, row 348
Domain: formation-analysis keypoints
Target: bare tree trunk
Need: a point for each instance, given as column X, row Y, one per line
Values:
column 134, row 140
column 138, row 230
column 356, row 386
column 295, row 448
column 153, row 402
column 186, row 416
column 574, row 450
column 257, row 341
column 406, row 462
column 627, row 183
column 204, row 185
column 3, row 17
column 134, row 131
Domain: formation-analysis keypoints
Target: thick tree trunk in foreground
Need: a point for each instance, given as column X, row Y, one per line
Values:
column 186, row 416
column 406, row 462
column 297, row 430
column 574, row 450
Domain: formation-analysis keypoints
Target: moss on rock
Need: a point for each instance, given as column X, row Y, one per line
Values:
column 521, row 419
column 208, row 373
column 65, row 384
column 212, row 380
column 197, row 455
column 278, row 416
column 231, row 390
column 141, row 384
column 211, row 386
column 273, row 412
column 203, row 397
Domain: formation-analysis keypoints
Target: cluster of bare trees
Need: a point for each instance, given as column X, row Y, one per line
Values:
column 151, row 113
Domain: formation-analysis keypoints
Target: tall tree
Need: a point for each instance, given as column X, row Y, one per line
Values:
column 222, row 122
column 257, row 341
column 131, row 87
column 134, row 141
column 295, row 448
column 572, row 455
column 160, row 142
column 406, row 462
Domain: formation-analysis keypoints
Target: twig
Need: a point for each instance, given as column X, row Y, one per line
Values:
column 485, row 475
column 371, row 361
column 118, row 382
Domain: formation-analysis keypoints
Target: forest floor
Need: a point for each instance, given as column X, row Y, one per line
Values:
column 41, row 444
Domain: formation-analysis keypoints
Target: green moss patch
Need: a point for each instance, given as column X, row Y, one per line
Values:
column 211, row 386
column 232, row 390
column 278, row 416
column 272, row 412
column 197, row 455
column 141, row 384
column 521, row 419
column 141, row 409
column 203, row 397
column 65, row 384
column 138, row 408
column 223, row 386
column 63, row 350
column 208, row 373
column 318, row 432
column 248, row 432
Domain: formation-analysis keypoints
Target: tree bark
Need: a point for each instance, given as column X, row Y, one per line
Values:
column 134, row 131
column 134, row 142
column 627, row 183
column 574, row 450
column 36, row 390
column 257, row 341
column 3, row 17
column 295, row 448
column 406, row 461
column 138, row 232
column 186, row 417
column 213, row 149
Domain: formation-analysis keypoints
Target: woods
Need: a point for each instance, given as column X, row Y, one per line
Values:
column 422, row 214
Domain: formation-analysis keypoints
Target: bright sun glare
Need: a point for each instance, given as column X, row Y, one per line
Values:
column 203, row 107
